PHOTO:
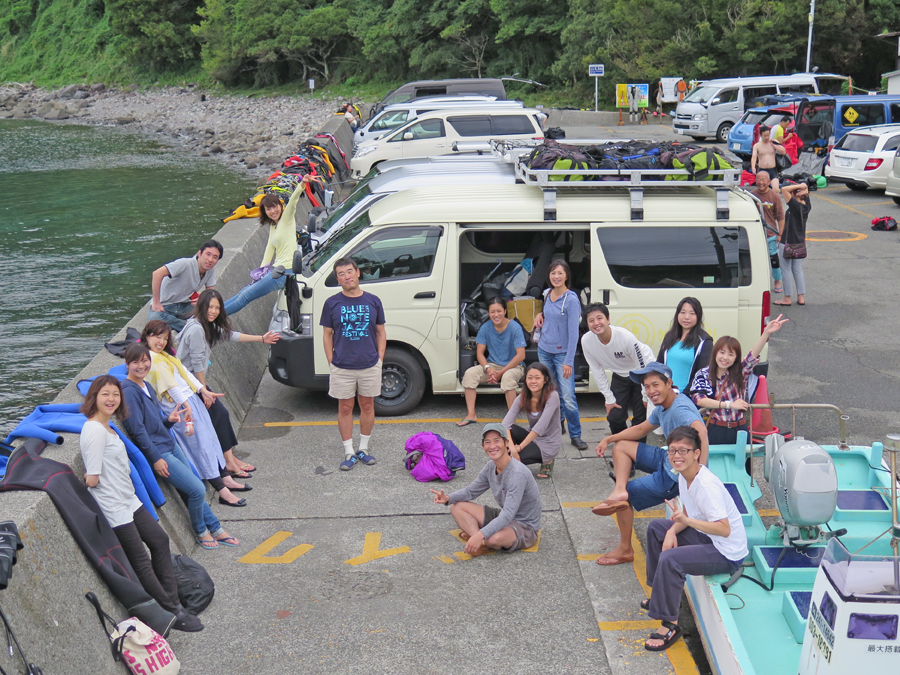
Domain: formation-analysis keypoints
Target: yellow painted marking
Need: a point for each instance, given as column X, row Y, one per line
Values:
column 648, row 624
column 371, row 550
column 661, row 513
column 588, row 556
column 856, row 236
column 681, row 659
column 879, row 203
column 768, row 513
column 533, row 549
column 462, row 555
column 578, row 505
column 457, row 533
column 593, row 639
column 440, row 420
column 444, row 558
column 259, row 555
column 843, row 206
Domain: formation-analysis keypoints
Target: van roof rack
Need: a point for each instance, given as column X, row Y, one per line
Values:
column 550, row 180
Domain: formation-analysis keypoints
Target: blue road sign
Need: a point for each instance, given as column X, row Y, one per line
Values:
column 595, row 70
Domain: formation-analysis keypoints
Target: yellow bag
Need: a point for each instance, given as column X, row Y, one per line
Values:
column 524, row 310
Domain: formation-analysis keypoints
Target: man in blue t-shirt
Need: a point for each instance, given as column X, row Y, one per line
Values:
column 672, row 410
column 500, row 352
column 355, row 340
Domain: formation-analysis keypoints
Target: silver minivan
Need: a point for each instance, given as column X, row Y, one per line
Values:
column 398, row 114
column 714, row 106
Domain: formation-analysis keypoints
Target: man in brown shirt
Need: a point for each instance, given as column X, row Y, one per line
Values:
column 773, row 220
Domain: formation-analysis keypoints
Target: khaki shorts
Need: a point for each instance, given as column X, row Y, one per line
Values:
column 509, row 381
column 343, row 384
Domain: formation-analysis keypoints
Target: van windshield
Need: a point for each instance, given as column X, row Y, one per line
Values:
column 335, row 243
column 342, row 209
column 701, row 95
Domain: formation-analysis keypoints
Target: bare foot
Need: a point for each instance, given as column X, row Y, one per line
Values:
column 227, row 540
column 662, row 630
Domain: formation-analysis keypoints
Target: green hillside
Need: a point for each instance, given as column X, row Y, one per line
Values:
column 273, row 43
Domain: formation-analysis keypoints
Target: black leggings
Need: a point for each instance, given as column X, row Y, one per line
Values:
column 155, row 572
column 217, row 483
column 531, row 453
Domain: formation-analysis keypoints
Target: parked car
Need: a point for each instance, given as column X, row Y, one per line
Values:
column 398, row 114
column 862, row 159
column 425, row 251
column 713, row 107
column 740, row 139
column 484, row 86
column 825, row 120
column 435, row 133
column 892, row 184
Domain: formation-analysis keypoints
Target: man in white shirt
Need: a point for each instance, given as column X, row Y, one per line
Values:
column 617, row 349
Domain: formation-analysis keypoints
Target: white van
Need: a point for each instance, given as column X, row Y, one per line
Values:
column 435, row 133
column 713, row 107
column 638, row 246
column 395, row 116
column 467, row 171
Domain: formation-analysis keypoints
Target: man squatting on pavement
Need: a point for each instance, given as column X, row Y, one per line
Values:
column 513, row 526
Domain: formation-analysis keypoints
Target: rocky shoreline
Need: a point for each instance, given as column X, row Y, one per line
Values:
column 250, row 134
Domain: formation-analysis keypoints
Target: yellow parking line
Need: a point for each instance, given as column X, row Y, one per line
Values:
column 628, row 625
column 879, row 203
column 843, row 206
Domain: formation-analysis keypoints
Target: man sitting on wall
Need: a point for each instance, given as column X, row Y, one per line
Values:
column 177, row 285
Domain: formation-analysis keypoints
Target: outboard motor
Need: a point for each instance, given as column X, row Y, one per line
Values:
column 804, row 481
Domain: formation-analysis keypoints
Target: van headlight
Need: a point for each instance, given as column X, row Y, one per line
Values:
column 366, row 150
column 700, row 117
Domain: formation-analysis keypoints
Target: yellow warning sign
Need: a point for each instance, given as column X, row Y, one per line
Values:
column 850, row 115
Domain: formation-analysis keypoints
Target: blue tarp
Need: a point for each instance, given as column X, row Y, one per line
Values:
column 47, row 421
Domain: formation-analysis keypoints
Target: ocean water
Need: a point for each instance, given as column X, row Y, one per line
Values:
column 86, row 215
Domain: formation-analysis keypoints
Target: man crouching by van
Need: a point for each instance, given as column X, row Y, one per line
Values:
column 672, row 410
column 513, row 526
column 355, row 340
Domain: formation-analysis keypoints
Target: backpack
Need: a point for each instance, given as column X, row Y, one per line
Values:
column 698, row 164
column 431, row 457
column 884, row 224
column 195, row 586
column 570, row 163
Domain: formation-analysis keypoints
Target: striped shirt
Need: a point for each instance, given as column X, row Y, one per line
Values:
column 725, row 390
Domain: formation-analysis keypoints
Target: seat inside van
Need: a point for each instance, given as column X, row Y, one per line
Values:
column 486, row 255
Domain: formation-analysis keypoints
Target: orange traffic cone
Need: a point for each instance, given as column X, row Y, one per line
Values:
column 762, row 417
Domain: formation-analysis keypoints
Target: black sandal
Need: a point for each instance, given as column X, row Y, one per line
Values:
column 667, row 639
column 645, row 604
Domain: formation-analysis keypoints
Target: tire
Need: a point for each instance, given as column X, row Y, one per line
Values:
column 723, row 132
column 857, row 187
column 402, row 383
column 699, row 138
column 896, row 200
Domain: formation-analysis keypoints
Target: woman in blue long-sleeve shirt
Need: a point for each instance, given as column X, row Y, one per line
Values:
column 559, row 338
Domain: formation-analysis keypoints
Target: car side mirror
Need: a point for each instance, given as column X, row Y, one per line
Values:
column 715, row 101
column 408, row 136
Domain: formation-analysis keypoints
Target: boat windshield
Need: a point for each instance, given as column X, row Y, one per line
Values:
column 861, row 576
column 335, row 243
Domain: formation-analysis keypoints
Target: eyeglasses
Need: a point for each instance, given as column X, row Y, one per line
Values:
column 679, row 451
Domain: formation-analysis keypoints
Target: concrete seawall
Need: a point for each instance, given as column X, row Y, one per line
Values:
column 45, row 602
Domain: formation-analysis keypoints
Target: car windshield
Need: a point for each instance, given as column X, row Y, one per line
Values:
column 857, row 143
column 340, row 210
column 335, row 243
column 701, row 94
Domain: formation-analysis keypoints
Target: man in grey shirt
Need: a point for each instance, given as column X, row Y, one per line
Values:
column 513, row 526
column 176, row 285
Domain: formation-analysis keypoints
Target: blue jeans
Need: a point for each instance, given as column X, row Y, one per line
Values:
column 773, row 250
column 253, row 292
column 175, row 315
column 193, row 491
column 568, row 406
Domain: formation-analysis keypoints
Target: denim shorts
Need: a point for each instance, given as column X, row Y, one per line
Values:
column 652, row 490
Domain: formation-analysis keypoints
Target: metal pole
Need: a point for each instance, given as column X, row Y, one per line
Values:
column 596, row 79
column 812, row 14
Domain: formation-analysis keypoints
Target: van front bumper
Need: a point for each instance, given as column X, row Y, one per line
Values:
column 292, row 362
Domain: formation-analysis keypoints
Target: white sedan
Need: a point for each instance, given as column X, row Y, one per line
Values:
column 863, row 159
column 892, row 187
